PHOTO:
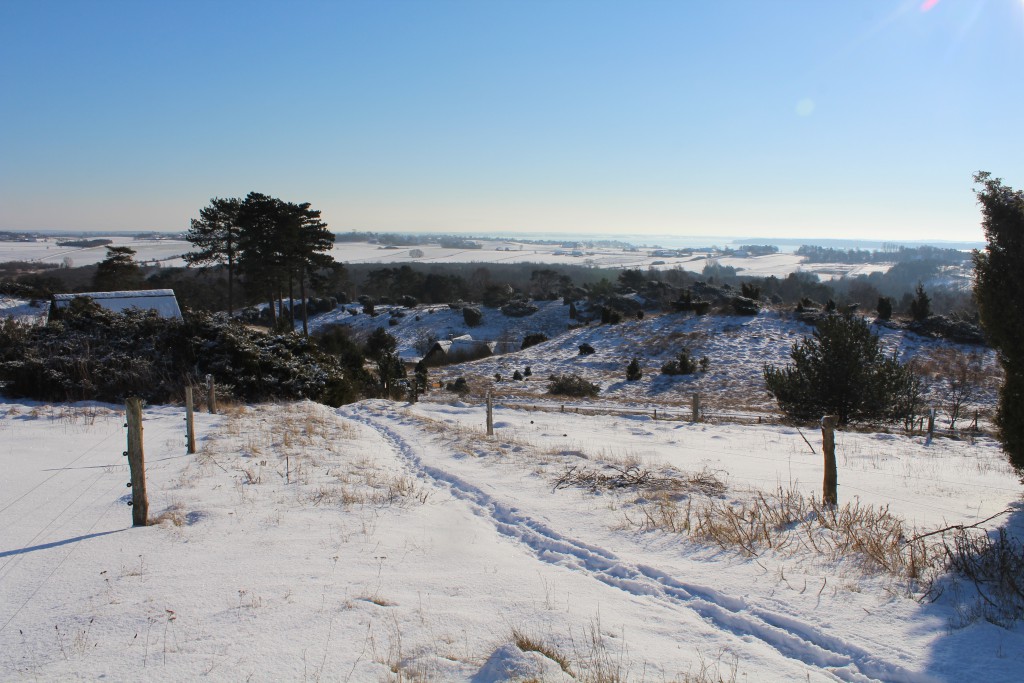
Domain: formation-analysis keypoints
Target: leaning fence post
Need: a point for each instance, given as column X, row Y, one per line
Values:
column 136, row 462
column 695, row 408
column 829, row 494
column 211, row 398
column 490, row 415
column 190, row 425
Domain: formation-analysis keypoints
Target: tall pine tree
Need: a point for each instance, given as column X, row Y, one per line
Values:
column 215, row 235
column 999, row 290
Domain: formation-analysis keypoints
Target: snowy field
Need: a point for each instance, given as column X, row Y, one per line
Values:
column 168, row 252
column 384, row 541
column 148, row 251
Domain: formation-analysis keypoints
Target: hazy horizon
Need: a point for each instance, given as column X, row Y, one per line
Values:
column 736, row 118
column 639, row 240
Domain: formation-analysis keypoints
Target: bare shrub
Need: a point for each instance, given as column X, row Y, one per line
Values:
column 960, row 376
column 424, row 341
column 994, row 566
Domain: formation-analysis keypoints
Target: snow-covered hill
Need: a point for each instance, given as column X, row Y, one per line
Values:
column 737, row 348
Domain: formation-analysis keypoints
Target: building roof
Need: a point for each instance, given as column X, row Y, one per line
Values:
column 160, row 300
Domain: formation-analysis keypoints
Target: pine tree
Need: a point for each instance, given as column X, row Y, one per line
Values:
column 999, row 290
column 884, row 308
column 921, row 306
column 280, row 244
column 842, row 371
column 118, row 271
column 633, row 371
column 215, row 234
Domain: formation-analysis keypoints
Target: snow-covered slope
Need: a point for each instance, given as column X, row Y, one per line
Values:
column 737, row 348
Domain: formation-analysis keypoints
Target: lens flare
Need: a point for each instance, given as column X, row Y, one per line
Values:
column 928, row 5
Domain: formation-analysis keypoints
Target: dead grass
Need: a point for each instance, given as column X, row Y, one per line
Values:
column 787, row 521
column 530, row 643
column 595, row 656
column 174, row 515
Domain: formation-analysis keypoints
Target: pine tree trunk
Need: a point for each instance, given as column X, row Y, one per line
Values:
column 305, row 313
column 291, row 298
column 231, row 284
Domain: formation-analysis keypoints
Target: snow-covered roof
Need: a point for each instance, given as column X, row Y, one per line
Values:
column 160, row 300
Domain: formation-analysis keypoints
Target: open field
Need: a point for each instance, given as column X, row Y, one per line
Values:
column 385, row 542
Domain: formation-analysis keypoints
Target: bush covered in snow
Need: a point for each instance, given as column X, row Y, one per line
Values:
column 94, row 354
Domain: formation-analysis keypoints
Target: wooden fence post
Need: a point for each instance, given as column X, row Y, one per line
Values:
column 190, row 425
column 211, row 397
column 137, row 462
column 829, row 494
column 490, row 415
column 931, row 426
column 695, row 408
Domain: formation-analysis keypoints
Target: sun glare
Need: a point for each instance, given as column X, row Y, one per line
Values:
column 928, row 5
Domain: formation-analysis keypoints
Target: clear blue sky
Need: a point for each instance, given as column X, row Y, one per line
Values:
column 804, row 118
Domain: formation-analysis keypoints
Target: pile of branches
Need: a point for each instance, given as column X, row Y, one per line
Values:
column 636, row 478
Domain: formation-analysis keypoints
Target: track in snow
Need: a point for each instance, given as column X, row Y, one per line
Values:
column 789, row 637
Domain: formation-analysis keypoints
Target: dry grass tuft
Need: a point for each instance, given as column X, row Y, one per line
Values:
column 529, row 643
column 787, row 520
column 173, row 516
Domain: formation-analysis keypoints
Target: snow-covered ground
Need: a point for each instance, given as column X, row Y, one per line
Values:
column 385, row 541
column 22, row 309
column 168, row 253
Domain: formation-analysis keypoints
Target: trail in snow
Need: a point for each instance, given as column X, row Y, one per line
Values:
column 789, row 637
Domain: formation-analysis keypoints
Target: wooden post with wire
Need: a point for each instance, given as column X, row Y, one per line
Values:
column 136, row 462
column 829, row 492
column 931, row 426
column 211, row 398
column 190, row 424
column 490, row 415
column 695, row 408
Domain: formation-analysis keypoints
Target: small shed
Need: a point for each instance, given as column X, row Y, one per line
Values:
column 162, row 301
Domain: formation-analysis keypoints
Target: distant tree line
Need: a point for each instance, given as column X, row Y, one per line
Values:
column 902, row 254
